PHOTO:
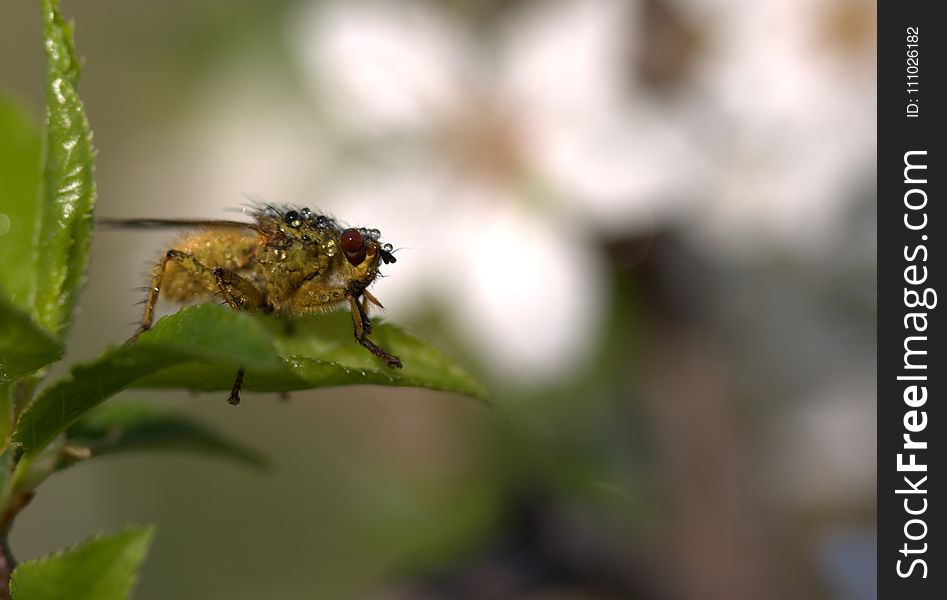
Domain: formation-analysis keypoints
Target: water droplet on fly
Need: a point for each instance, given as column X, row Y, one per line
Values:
column 387, row 247
column 293, row 219
column 374, row 234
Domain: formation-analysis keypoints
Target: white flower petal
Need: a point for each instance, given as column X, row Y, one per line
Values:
column 794, row 69
column 620, row 171
column 793, row 197
column 527, row 293
column 381, row 65
column 567, row 56
column 796, row 122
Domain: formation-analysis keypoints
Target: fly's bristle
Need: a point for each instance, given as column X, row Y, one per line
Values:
column 256, row 200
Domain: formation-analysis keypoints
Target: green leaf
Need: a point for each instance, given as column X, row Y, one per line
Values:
column 19, row 197
column 24, row 346
column 201, row 347
column 320, row 351
column 101, row 568
column 114, row 428
column 203, row 333
column 68, row 186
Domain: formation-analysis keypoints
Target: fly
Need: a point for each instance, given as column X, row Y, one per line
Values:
column 288, row 261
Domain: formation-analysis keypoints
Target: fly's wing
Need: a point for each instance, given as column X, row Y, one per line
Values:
column 172, row 223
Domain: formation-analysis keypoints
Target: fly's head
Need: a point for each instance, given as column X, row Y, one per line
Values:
column 362, row 252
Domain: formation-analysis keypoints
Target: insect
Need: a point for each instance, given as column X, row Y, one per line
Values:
column 289, row 261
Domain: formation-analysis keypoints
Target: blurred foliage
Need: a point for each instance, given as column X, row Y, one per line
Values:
column 115, row 428
column 19, row 188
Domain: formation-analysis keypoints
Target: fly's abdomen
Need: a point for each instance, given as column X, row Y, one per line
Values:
column 193, row 277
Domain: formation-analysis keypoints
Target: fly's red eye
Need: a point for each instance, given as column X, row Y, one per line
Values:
column 351, row 241
column 353, row 245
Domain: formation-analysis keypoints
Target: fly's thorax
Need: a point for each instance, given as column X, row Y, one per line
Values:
column 286, row 262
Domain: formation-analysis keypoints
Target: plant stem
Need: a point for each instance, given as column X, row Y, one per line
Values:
column 6, row 409
column 7, row 564
column 7, row 561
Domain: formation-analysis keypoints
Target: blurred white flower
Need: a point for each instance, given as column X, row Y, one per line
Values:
column 789, row 88
column 495, row 159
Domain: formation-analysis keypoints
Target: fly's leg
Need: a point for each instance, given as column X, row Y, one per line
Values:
column 240, row 294
column 363, row 327
column 188, row 263
column 368, row 298
column 234, row 398
column 315, row 297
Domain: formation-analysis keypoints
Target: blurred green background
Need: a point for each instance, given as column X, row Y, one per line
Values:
column 648, row 227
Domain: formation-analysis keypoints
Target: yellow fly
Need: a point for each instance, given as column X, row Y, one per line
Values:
column 288, row 261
